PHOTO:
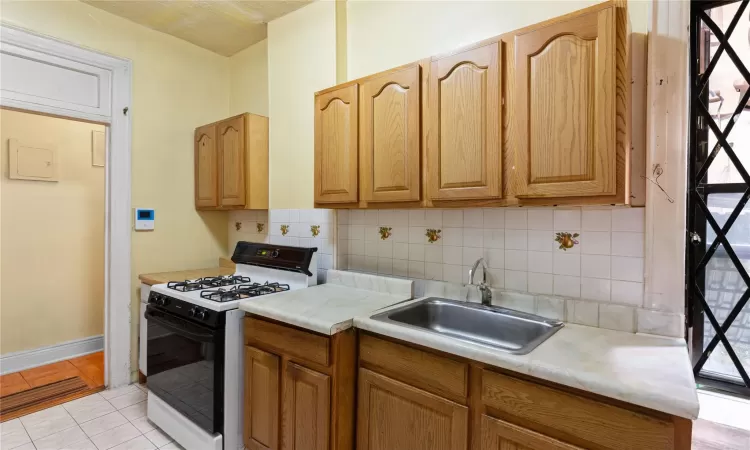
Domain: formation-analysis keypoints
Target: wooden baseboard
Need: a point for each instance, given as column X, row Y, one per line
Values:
column 27, row 359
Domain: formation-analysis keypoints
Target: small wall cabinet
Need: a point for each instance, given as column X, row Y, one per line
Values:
column 390, row 136
column 231, row 163
column 336, row 146
column 464, row 144
column 566, row 93
column 299, row 388
column 537, row 116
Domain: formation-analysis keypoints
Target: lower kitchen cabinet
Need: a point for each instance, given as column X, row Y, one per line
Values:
column 261, row 422
column 392, row 415
column 306, row 412
column 412, row 398
column 299, row 388
column 500, row 435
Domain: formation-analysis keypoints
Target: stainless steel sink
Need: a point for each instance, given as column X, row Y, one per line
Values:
column 500, row 328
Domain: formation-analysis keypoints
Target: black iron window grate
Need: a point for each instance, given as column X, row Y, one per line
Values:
column 711, row 48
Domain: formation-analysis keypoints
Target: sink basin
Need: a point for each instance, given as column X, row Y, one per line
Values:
column 499, row 328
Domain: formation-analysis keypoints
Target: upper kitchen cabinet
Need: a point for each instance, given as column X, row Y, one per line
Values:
column 464, row 137
column 569, row 107
column 390, row 138
column 231, row 163
column 336, row 145
column 536, row 116
column 231, row 145
column 206, row 173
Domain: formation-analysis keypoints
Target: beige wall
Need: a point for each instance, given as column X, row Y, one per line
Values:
column 386, row 34
column 383, row 34
column 248, row 80
column 54, row 230
column 301, row 60
column 176, row 87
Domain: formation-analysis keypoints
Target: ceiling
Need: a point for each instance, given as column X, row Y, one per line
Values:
column 222, row 26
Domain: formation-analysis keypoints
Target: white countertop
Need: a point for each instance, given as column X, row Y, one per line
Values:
column 649, row 371
column 326, row 308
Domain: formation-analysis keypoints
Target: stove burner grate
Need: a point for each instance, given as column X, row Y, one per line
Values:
column 207, row 283
column 243, row 291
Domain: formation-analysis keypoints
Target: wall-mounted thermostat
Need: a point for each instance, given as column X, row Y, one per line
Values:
column 144, row 219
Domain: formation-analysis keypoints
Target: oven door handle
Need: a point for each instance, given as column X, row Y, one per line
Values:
column 202, row 337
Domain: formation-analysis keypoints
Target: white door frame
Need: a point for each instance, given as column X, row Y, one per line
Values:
column 667, row 118
column 113, row 81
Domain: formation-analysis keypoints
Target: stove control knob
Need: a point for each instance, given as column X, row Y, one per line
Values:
column 201, row 314
column 163, row 300
column 192, row 312
column 275, row 254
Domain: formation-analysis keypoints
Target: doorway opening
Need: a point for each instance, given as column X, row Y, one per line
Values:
column 718, row 254
column 52, row 260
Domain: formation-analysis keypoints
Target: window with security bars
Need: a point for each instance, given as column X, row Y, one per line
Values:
column 718, row 257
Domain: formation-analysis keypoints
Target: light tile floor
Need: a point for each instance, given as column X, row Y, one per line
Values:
column 113, row 419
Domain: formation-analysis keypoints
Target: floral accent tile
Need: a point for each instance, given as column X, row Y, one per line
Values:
column 260, row 226
column 238, row 226
column 315, row 230
column 566, row 240
column 385, row 232
column 284, row 230
column 433, row 235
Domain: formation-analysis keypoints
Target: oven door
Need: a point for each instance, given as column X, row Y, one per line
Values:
column 185, row 363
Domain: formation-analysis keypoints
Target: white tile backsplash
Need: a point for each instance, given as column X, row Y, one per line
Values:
column 598, row 277
column 494, row 218
column 453, row 218
column 567, row 286
column 473, row 218
column 540, row 262
column 516, row 219
column 596, row 220
column 516, row 239
column 516, row 280
column 540, row 219
column 617, row 317
column 540, row 283
column 494, row 238
column 516, row 260
column 567, row 219
column 540, row 241
column 595, row 266
column 628, row 219
column 625, row 243
column 626, row 269
column 596, row 242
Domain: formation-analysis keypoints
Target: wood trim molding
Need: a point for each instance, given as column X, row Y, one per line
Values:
column 27, row 359
column 666, row 146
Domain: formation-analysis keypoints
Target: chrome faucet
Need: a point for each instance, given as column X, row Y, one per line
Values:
column 482, row 286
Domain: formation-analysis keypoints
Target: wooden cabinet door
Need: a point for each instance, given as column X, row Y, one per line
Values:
column 390, row 136
column 501, row 435
column 206, row 170
column 306, row 413
column 565, row 107
column 261, row 418
column 231, row 144
column 336, row 165
column 395, row 416
column 464, row 136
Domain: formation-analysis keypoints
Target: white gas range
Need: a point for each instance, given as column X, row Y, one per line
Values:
column 194, row 344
